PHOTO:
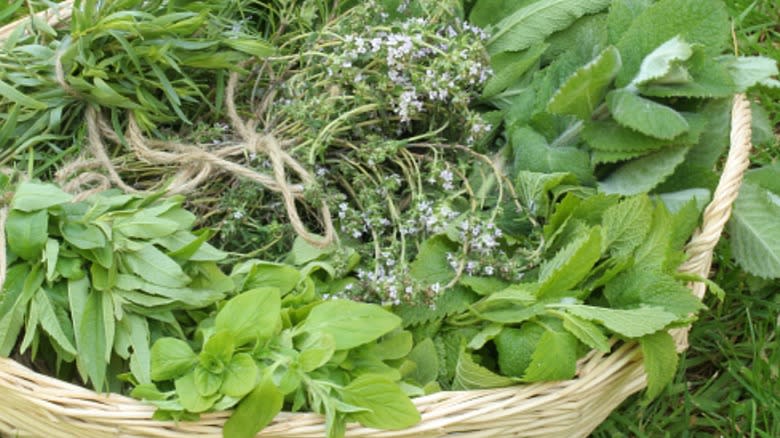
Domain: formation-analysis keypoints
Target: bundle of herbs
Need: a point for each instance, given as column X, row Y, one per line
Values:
column 405, row 196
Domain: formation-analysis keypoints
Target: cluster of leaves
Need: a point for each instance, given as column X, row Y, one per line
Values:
column 158, row 60
column 94, row 280
column 278, row 343
column 608, row 266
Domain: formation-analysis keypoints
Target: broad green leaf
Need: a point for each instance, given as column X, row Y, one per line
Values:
column 78, row 292
column 483, row 285
column 659, row 352
column 189, row 397
column 646, row 286
column 26, row 233
column 662, row 61
column 316, row 351
column 91, row 340
column 265, row 274
column 388, row 407
column 554, row 358
column 515, row 347
column 749, row 71
column 471, row 375
column 83, row 236
column 18, row 290
column 487, row 12
column 489, row 332
column 109, row 322
column 188, row 246
column 584, row 90
column 513, row 305
column 51, row 324
column 426, row 360
column 703, row 22
column 754, row 232
column 632, row 323
column 644, row 115
column 509, row 67
column 145, row 226
column 395, row 345
column 349, row 322
column 255, row 411
column 206, row 382
column 30, row 196
column 170, row 359
column 140, row 361
column 251, row 316
column 51, row 255
column 533, row 23
column 431, row 265
column 152, row 265
column 609, row 136
column 31, row 333
column 570, row 265
column 587, row 332
column 302, row 252
column 621, row 14
column 533, row 153
column 217, row 352
column 240, row 376
column 643, row 174
column 626, row 224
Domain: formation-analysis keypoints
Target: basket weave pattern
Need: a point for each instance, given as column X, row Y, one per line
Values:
column 32, row 404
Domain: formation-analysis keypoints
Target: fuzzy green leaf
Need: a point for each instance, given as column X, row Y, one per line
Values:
column 660, row 359
column 570, row 265
column 515, row 347
column 644, row 115
column 627, row 224
column 632, row 323
column 587, row 332
column 661, row 62
column 534, row 22
column 755, row 232
column 470, row 375
column 554, row 358
column 585, row 89
column 533, row 153
column 643, row 174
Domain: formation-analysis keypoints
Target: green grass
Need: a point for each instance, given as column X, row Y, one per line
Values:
column 728, row 383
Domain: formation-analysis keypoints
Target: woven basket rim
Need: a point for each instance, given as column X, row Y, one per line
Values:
column 32, row 403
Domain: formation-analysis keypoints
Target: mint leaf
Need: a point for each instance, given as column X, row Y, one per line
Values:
column 660, row 359
column 470, row 375
column 431, row 265
column 643, row 174
column 555, row 358
column 533, row 23
column 533, row 153
column 626, row 224
column 610, row 136
column 632, row 323
column 587, row 332
column 639, row 287
column 570, row 265
column 388, row 407
column 755, row 232
column 644, row 115
column 515, row 347
column 585, row 89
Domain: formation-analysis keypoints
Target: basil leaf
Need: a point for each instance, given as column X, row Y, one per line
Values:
column 170, row 358
column 206, row 382
column 316, row 351
column 349, row 322
column 389, row 407
column 217, row 352
column 27, row 233
column 240, row 376
column 189, row 397
column 255, row 411
column 251, row 316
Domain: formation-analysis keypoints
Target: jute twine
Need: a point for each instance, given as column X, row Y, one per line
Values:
column 192, row 164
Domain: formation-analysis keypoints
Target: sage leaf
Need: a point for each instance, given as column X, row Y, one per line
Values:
column 644, row 115
column 170, row 359
column 388, row 407
column 755, row 232
column 661, row 61
column 255, row 411
column 349, row 322
column 27, row 233
column 643, row 174
column 586, row 88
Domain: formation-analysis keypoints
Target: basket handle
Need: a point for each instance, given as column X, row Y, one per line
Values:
column 700, row 247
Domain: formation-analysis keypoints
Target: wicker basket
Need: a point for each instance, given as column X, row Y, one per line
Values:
column 32, row 404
